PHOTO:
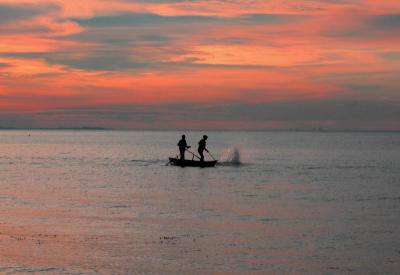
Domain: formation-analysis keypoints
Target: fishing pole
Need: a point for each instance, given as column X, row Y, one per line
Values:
column 211, row 155
column 193, row 154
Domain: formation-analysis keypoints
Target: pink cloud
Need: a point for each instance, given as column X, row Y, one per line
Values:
column 59, row 54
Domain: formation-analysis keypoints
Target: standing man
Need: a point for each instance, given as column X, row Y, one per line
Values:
column 182, row 147
column 202, row 147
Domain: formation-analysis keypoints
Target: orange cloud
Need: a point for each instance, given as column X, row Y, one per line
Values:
column 69, row 54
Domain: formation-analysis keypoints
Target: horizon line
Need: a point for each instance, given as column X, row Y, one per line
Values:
column 316, row 130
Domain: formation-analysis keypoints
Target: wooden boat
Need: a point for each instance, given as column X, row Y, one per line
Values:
column 192, row 163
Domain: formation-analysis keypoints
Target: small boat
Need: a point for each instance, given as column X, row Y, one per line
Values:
column 192, row 163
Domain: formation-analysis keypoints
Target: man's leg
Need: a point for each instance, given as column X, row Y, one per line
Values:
column 182, row 154
column 201, row 156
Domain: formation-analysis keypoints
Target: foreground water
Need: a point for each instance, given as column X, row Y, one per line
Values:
column 86, row 202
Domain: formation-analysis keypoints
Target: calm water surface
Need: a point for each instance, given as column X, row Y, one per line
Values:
column 87, row 202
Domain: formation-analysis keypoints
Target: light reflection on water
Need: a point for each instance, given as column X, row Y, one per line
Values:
column 104, row 202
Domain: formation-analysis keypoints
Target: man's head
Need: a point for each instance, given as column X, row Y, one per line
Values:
column 183, row 136
column 205, row 137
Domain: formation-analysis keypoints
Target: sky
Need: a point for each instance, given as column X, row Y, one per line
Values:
column 197, row 64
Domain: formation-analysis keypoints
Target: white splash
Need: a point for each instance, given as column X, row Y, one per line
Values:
column 231, row 157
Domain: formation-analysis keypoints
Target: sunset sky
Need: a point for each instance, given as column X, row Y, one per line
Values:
column 197, row 64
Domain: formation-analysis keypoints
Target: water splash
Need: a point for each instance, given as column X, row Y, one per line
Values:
column 231, row 157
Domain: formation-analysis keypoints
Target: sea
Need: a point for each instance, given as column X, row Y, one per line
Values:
column 278, row 202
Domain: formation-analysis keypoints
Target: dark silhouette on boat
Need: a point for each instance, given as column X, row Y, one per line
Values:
column 183, row 147
column 180, row 160
column 202, row 147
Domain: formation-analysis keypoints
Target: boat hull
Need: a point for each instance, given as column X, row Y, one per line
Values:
column 192, row 163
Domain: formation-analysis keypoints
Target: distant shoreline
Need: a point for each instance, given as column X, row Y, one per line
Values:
column 58, row 129
column 198, row 130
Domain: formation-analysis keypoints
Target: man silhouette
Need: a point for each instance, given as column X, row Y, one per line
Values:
column 202, row 147
column 182, row 147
